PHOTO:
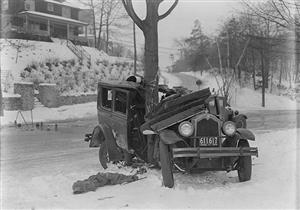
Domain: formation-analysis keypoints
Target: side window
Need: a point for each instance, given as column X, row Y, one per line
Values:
column 121, row 102
column 106, row 98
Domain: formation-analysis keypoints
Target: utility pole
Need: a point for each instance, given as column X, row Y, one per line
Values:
column 263, row 77
column 134, row 46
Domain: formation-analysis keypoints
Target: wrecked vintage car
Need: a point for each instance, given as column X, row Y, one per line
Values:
column 187, row 131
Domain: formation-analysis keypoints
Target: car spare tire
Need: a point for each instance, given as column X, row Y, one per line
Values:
column 166, row 165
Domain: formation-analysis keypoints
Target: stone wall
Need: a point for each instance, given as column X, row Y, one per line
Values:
column 26, row 90
column 48, row 95
column 77, row 99
column 12, row 103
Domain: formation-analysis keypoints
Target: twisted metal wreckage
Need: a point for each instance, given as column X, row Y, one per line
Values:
column 191, row 131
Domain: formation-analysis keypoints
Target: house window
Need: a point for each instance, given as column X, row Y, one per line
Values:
column 50, row 7
column 5, row 5
column 66, row 12
column 43, row 27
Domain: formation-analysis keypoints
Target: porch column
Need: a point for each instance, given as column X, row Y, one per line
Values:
column 26, row 23
column 86, row 32
column 68, row 31
column 48, row 27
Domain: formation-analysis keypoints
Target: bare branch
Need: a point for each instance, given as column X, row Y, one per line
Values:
column 130, row 11
column 243, row 52
column 169, row 11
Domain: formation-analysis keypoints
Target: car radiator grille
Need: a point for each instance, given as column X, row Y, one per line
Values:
column 207, row 128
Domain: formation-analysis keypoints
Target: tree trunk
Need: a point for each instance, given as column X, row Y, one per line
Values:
column 100, row 31
column 263, row 78
column 134, row 48
column 280, row 72
column 151, row 79
column 151, row 65
column 107, row 35
column 94, row 22
column 297, row 57
column 253, row 69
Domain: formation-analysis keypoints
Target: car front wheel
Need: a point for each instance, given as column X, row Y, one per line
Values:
column 166, row 166
column 244, row 165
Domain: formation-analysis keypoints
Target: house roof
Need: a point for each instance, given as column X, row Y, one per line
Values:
column 53, row 17
column 73, row 4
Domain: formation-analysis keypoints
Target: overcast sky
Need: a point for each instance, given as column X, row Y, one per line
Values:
column 179, row 23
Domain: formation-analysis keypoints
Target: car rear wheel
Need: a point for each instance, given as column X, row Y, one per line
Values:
column 103, row 155
column 166, row 166
column 244, row 164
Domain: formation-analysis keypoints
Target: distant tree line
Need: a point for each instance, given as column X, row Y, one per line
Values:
column 261, row 41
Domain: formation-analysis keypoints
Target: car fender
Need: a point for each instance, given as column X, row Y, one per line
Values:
column 245, row 134
column 240, row 121
column 109, row 140
column 169, row 136
column 97, row 137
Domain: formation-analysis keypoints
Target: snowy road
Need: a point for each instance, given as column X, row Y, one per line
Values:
column 38, row 169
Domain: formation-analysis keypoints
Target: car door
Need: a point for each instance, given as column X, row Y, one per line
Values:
column 119, row 117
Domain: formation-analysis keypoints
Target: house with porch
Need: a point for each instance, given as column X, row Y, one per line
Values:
column 43, row 18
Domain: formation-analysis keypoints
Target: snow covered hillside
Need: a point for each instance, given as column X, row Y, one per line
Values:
column 17, row 54
column 30, row 51
column 273, row 184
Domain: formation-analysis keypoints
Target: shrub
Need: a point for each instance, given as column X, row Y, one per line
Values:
column 73, row 76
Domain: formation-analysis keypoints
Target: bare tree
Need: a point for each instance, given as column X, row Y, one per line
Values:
column 92, row 5
column 285, row 14
column 18, row 45
column 100, row 24
column 115, row 20
column 281, row 12
column 134, row 47
column 149, row 28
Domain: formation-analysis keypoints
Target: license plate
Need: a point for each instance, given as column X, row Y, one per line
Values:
column 208, row 141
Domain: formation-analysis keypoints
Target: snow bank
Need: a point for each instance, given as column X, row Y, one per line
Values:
column 170, row 79
column 273, row 185
column 43, row 114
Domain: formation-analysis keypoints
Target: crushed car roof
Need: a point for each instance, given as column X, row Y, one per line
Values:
column 120, row 84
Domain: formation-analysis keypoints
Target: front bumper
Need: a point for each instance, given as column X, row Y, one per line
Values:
column 202, row 152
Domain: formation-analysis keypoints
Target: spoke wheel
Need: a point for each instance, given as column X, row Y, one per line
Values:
column 103, row 155
column 244, row 164
column 166, row 165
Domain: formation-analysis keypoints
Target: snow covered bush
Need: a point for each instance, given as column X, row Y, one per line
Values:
column 73, row 76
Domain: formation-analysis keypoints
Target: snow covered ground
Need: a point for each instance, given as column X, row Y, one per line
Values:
column 42, row 114
column 274, row 183
column 246, row 98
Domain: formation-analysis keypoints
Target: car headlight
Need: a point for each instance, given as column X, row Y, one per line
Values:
column 186, row 129
column 229, row 128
